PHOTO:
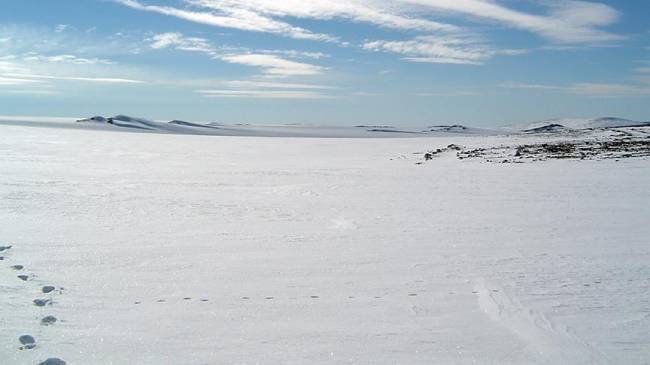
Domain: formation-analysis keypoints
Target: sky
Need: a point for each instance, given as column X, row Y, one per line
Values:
column 332, row 62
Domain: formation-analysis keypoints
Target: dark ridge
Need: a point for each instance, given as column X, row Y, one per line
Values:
column 375, row 126
column 130, row 126
column 391, row 131
column 547, row 129
column 190, row 124
column 446, row 128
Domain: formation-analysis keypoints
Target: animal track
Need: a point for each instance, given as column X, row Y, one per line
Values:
column 42, row 302
column 249, row 298
column 48, row 320
column 27, row 341
column 52, row 361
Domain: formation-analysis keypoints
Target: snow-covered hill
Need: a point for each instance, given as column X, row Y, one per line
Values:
column 563, row 125
column 460, row 129
column 142, row 125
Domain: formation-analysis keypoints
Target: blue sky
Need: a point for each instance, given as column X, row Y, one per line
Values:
column 408, row 62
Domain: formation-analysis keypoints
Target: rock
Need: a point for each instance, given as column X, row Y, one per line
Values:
column 18, row 267
column 48, row 288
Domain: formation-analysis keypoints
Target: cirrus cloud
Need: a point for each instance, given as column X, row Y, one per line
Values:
column 270, row 62
column 440, row 49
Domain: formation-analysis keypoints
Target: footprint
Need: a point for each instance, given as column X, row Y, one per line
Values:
column 187, row 298
column 314, row 297
column 48, row 320
column 42, row 302
column 268, row 298
column 137, row 302
column 18, row 267
column 48, row 289
column 161, row 300
column 245, row 298
column 4, row 248
column 27, row 341
column 23, row 277
column 204, row 300
column 52, row 361
column 413, row 295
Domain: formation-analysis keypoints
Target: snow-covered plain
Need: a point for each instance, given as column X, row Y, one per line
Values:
column 181, row 249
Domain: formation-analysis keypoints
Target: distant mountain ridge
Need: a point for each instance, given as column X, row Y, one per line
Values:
column 559, row 125
column 550, row 126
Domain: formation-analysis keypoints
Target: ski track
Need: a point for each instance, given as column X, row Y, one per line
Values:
column 552, row 343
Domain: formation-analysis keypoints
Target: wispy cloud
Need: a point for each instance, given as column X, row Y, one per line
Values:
column 453, row 49
column 274, row 65
column 379, row 12
column 263, row 89
column 61, row 28
column 291, row 53
column 587, row 89
column 566, row 21
column 452, row 93
column 106, row 80
column 180, row 42
column 13, row 81
column 66, row 58
column 40, row 74
column 36, row 92
column 252, row 84
column 522, row 85
column 563, row 21
column 596, row 89
column 242, row 20
column 271, row 64
column 263, row 94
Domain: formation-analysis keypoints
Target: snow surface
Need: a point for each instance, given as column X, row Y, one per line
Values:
column 181, row 249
